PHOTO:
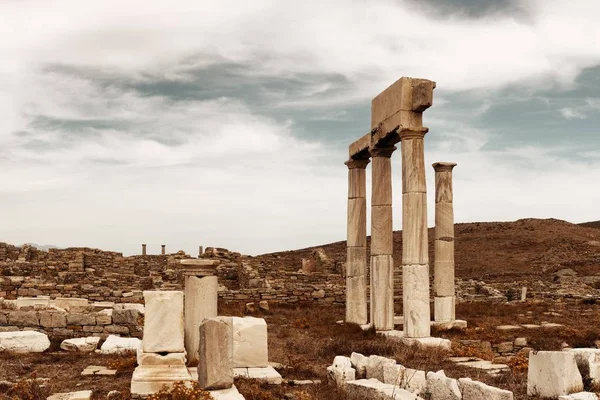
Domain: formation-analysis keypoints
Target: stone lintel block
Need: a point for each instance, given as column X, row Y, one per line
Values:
column 158, row 360
column 444, row 309
column 444, row 250
column 382, row 292
column 414, row 95
column 163, row 323
column 201, row 298
column 552, row 374
column 382, row 231
column 474, row 390
column 356, row 299
column 443, row 187
column 381, row 193
column 413, row 166
column 443, row 278
column 444, row 220
column 357, row 222
column 356, row 261
column 199, row 267
column 415, row 249
column 215, row 369
column 357, row 183
column 360, row 145
column 415, row 286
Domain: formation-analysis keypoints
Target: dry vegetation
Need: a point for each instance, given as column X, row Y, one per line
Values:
column 306, row 339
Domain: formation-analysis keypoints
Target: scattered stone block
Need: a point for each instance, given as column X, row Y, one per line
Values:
column 375, row 366
column 376, row 390
column 520, row 342
column 429, row 342
column 68, row 304
column 215, row 368
column 441, row 387
column 359, row 363
column 414, row 381
column 553, row 374
column 393, row 374
column 226, row 394
column 505, row 347
column 579, row 396
column 341, row 371
column 588, row 362
column 250, row 347
column 509, row 327
column 116, row 345
column 266, row 374
column 81, row 395
column 263, row 305
column 107, row 372
column 473, row 390
column 24, row 342
column 163, row 324
column 80, row 345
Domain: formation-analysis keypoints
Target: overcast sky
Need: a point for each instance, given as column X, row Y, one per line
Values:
column 226, row 123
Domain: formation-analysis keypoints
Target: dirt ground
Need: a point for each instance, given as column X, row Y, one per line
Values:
column 305, row 339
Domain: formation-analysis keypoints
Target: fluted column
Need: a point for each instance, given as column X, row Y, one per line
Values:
column 443, row 282
column 356, row 263
column 382, row 240
column 415, row 258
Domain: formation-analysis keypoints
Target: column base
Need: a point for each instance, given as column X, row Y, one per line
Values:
column 427, row 342
column 149, row 380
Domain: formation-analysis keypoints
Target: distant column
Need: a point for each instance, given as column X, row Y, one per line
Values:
column 143, row 249
column 200, row 251
column 415, row 249
column 356, row 264
column 163, row 249
column 443, row 282
column 382, row 240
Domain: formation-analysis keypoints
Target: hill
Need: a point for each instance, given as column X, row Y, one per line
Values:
column 493, row 251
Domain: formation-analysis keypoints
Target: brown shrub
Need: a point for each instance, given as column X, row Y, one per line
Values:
column 26, row 389
column 124, row 362
column 180, row 392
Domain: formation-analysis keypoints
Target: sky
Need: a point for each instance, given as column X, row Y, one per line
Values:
column 227, row 123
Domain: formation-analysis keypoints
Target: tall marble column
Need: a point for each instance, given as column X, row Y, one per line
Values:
column 143, row 249
column 415, row 257
column 382, row 240
column 443, row 283
column 356, row 262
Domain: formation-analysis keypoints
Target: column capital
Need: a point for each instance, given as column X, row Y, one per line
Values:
column 382, row 151
column 357, row 163
column 418, row 133
column 443, row 166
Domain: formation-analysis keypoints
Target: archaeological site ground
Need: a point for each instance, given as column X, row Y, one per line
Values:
column 471, row 311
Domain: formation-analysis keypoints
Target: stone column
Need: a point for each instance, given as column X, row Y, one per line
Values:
column 144, row 249
column 356, row 264
column 382, row 240
column 201, row 297
column 163, row 249
column 215, row 368
column 200, row 251
column 443, row 283
column 415, row 257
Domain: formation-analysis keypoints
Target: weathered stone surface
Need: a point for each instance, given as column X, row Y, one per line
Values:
column 382, row 292
column 130, row 306
column 553, row 374
column 588, row 362
column 163, row 323
column 356, row 299
column 579, row 396
column 215, row 368
column 415, row 286
column 81, row 319
column 116, row 345
column 442, row 388
column 50, row 319
column 161, row 360
column 43, row 301
column 357, row 222
column 250, row 347
column 473, row 390
column 376, row 390
column 24, row 342
column 226, row 394
column 70, row 303
column 81, row 395
column 393, row 374
column 24, row 318
column 382, row 239
column 200, row 304
column 125, row 317
column 359, row 362
column 80, row 345
column 414, row 223
column 414, row 380
column 375, row 367
column 341, row 371
column 148, row 380
column 444, row 309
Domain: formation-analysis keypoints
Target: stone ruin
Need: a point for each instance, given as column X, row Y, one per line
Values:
column 397, row 116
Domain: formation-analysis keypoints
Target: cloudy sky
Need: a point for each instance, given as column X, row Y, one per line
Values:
column 226, row 123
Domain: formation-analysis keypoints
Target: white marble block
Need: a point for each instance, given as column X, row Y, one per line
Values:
column 415, row 286
column 163, row 323
column 215, row 368
column 250, row 347
column 200, row 304
column 553, row 374
column 473, row 390
column 24, row 342
column 442, row 388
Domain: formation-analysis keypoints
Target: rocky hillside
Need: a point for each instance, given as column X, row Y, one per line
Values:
column 532, row 249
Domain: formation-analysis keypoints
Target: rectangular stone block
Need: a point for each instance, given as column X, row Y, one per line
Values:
column 444, row 309
column 415, row 286
column 356, row 261
column 43, row 301
column 163, row 323
column 215, row 369
column 69, row 303
column 356, row 299
column 381, row 193
column 444, row 220
column 158, row 360
column 357, row 222
column 552, row 374
column 442, row 388
column 382, row 292
column 360, row 145
column 200, row 304
column 473, row 390
column 250, row 348
column 357, row 183
column 413, row 166
column 443, row 187
column 24, row 318
column 415, row 249
column 444, row 250
column 382, row 233
column 53, row 319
